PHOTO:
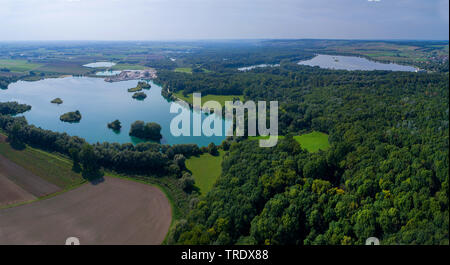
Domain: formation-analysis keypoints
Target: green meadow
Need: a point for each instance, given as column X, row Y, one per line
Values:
column 205, row 169
column 312, row 142
column 219, row 98
column 187, row 70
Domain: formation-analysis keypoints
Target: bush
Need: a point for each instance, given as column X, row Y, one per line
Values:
column 187, row 182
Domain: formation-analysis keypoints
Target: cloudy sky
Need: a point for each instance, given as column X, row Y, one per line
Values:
column 222, row 19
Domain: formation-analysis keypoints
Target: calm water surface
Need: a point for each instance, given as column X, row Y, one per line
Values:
column 108, row 73
column 353, row 63
column 100, row 64
column 99, row 102
column 248, row 68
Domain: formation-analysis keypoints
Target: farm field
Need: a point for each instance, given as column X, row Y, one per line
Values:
column 18, row 65
column 31, row 174
column 64, row 67
column 205, row 170
column 51, row 168
column 115, row 211
column 11, row 193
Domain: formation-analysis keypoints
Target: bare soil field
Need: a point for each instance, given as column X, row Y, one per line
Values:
column 25, row 179
column 115, row 211
column 11, row 193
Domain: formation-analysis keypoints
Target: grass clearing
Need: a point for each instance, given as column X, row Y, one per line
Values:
column 312, row 142
column 205, row 170
column 187, row 70
column 52, row 168
column 18, row 65
column 219, row 98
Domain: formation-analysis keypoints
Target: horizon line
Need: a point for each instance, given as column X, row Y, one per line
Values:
column 222, row 39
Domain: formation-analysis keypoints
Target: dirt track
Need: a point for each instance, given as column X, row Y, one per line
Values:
column 116, row 211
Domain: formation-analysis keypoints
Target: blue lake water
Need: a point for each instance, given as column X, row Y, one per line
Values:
column 108, row 73
column 99, row 102
column 248, row 68
column 353, row 63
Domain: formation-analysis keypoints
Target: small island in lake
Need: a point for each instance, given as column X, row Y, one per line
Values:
column 57, row 101
column 71, row 117
column 147, row 131
column 144, row 85
column 139, row 95
column 141, row 85
column 135, row 89
column 115, row 125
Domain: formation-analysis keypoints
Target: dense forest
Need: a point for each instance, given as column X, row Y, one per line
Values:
column 385, row 175
column 5, row 81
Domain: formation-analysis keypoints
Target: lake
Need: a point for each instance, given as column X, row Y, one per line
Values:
column 99, row 102
column 248, row 68
column 99, row 64
column 353, row 63
column 108, row 73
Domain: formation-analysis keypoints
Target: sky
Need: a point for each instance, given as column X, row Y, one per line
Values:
column 223, row 19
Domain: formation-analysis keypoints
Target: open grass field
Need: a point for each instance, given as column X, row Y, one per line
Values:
column 219, row 98
column 18, row 65
column 115, row 211
column 187, row 70
column 312, row 142
column 64, row 67
column 205, row 170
